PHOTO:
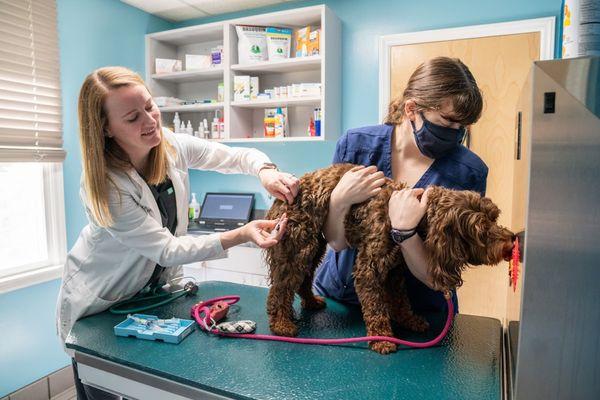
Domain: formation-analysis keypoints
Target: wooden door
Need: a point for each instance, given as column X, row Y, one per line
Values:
column 500, row 65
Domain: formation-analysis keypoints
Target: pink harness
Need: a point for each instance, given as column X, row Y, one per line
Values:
column 206, row 319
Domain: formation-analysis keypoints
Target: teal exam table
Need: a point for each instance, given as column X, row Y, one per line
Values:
column 467, row 364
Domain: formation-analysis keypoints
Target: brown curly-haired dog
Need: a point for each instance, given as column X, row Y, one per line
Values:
column 459, row 228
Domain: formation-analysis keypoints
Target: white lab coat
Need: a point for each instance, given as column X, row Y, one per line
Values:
column 107, row 265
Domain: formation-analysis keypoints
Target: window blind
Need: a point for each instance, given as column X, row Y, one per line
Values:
column 30, row 99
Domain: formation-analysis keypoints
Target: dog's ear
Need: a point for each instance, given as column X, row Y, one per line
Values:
column 444, row 241
column 490, row 209
column 446, row 259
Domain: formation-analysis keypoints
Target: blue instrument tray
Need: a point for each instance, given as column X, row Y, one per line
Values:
column 150, row 327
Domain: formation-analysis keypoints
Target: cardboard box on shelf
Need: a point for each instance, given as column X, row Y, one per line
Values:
column 254, row 87
column 167, row 65
column 308, row 41
column 241, row 87
column 195, row 62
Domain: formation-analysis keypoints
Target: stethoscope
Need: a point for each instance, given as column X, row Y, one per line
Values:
column 157, row 295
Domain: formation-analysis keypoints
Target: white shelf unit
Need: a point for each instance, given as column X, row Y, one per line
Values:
column 244, row 119
column 271, row 103
column 310, row 63
column 191, row 76
column 192, row 107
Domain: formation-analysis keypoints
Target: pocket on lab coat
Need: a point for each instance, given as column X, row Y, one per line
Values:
column 77, row 301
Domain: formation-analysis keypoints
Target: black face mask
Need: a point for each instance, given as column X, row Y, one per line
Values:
column 435, row 141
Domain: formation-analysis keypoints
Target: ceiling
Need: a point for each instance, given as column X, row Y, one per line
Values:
column 179, row 10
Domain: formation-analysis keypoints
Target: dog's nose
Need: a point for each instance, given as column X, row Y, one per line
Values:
column 507, row 251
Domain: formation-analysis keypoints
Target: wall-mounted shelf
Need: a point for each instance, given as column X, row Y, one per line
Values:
column 244, row 118
column 192, row 107
column 272, row 140
column 191, row 76
column 272, row 103
column 312, row 63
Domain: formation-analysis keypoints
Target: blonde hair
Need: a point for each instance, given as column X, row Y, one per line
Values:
column 436, row 80
column 101, row 154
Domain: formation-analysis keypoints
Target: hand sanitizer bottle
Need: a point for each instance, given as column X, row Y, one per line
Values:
column 194, row 208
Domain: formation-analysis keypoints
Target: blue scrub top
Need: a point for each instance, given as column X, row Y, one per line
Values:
column 372, row 145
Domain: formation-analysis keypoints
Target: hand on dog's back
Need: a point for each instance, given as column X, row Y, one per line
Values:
column 407, row 207
column 357, row 185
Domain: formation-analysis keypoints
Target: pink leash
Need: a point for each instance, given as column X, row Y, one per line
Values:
column 207, row 325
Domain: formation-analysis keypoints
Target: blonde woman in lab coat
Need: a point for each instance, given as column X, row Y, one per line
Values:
column 135, row 190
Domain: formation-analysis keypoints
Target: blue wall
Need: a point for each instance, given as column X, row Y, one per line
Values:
column 30, row 348
column 96, row 33
column 92, row 33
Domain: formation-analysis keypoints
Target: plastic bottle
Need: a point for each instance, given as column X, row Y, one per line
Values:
column 280, row 123
column 317, row 114
column 269, row 126
column 182, row 127
column 311, row 127
column 189, row 130
column 221, row 127
column 176, row 122
column 205, row 129
column 194, row 208
column 214, row 128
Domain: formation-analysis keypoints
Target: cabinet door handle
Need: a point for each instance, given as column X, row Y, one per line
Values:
column 519, row 133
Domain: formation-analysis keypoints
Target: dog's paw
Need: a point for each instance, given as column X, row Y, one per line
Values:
column 413, row 322
column 383, row 347
column 316, row 303
column 416, row 323
column 284, row 328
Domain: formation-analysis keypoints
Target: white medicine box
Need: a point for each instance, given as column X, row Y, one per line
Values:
column 167, row 66
column 195, row 62
column 254, row 87
column 241, row 87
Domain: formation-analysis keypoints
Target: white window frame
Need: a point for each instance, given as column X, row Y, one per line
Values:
column 545, row 26
column 51, row 268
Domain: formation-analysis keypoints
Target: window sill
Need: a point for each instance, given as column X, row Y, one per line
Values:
column 30, row 278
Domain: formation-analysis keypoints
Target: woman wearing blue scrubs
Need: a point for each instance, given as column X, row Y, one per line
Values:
column 419, row 144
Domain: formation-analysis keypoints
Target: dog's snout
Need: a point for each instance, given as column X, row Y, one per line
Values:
column 507, row 251
column 509, row 244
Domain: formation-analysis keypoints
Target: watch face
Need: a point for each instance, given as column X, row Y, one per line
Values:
column 399, row 236
column 396, row 236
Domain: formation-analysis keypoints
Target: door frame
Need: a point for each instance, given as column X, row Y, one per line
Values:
column 545, row 26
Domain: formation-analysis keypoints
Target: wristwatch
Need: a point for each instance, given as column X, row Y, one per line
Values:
column 399, row 236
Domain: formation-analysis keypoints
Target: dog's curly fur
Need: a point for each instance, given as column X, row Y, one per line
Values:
column 459, row 228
